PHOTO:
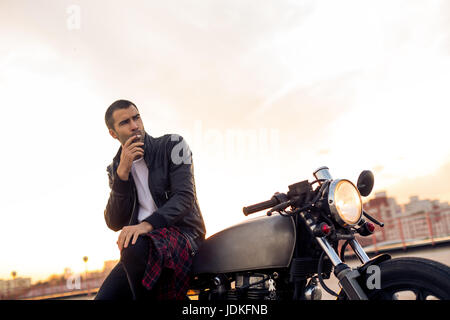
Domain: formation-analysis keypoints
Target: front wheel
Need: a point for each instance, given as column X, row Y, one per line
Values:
column 411, row 279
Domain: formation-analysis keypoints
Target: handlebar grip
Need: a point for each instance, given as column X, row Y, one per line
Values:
column 260, row 206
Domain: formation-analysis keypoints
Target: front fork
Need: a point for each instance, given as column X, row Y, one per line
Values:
column 348, row 277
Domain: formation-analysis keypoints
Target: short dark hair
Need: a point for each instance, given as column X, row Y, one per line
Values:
column 119, row 104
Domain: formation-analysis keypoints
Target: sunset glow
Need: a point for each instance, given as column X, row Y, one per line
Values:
column 263, row 93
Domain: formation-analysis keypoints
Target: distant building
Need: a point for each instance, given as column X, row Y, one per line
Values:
column 415, row 206
column 21, row 288
column 418, row 219
column 109, row 265
column 437, row 214
column 8, row 287
column 383, row 207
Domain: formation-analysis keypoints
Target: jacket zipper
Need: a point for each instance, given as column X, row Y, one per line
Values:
column 134, row 206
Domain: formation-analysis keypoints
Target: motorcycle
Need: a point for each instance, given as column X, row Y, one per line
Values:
column 286, row 254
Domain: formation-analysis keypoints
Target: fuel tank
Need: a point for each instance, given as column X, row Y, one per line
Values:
column 258, row 243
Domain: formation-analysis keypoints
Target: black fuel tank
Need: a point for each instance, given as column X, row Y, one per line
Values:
column 258, row 243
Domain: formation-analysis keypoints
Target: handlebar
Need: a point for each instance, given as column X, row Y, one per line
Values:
column 276, row 199
column 381, row 224
column 260, row 206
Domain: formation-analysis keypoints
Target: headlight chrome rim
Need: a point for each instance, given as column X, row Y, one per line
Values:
column 333, row 205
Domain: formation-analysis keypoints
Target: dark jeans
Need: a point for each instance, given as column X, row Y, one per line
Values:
column 125, row 281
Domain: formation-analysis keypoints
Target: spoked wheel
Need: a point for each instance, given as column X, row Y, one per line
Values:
column 411, row 279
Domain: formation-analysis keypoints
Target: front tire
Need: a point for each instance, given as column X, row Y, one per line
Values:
column 411, row 279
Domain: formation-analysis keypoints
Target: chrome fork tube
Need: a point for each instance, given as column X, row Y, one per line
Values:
column 334, row 258
column 362, row 255
column 322, row 241
column 329, row 251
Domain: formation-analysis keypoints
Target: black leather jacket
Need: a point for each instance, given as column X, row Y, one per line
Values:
column 172, row 185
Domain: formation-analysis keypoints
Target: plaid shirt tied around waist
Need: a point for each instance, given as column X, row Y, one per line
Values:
column 170, row 252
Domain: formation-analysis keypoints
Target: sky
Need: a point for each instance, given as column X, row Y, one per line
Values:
column 264, row 92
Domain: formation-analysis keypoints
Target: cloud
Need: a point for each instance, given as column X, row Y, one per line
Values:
column 378, row 168
column 433, row 186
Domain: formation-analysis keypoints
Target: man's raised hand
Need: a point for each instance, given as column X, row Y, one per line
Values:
column 131, row 151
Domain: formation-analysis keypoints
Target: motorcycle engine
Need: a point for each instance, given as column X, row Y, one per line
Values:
column 245, row 286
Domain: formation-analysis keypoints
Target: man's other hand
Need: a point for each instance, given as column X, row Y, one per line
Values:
column 132, row 233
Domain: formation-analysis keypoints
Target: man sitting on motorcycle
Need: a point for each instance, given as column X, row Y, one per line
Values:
column 153, row 202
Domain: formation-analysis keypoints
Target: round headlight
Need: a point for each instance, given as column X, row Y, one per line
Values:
column 345, row 202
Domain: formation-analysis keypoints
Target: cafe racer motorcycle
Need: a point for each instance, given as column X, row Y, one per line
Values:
column 288, row 253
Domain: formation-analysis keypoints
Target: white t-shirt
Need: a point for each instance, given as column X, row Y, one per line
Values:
column 147, row 205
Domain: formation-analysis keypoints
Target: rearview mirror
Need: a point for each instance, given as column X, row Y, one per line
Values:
column 365, row 182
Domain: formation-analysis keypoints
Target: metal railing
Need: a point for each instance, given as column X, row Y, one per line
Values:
column 53, row 291
column 408, row 230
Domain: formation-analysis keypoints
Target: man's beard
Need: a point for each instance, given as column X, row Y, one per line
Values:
column 141, row 139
